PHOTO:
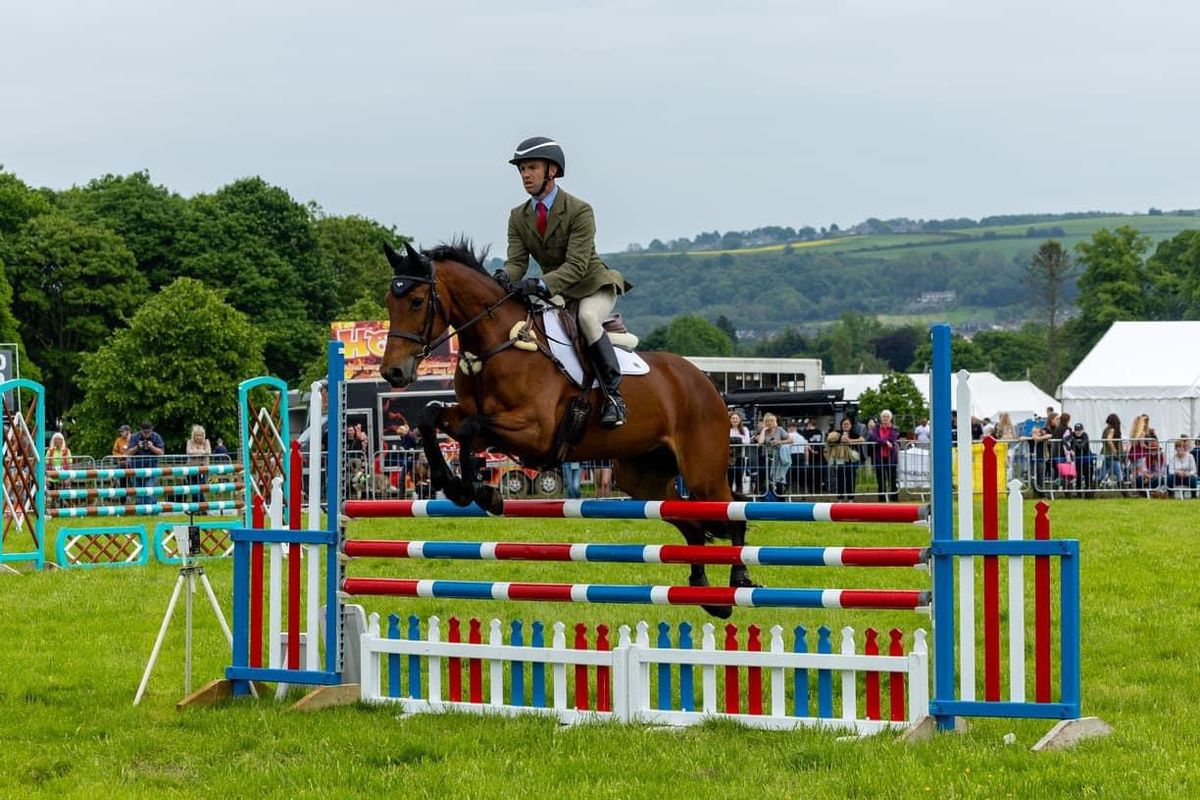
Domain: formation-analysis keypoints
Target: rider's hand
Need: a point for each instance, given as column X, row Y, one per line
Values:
column 501, row 276
column 535, row 287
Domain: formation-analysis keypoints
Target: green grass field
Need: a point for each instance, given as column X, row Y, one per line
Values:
column 75, row 644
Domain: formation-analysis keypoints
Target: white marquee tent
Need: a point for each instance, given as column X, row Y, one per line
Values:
column 990, row 396
column 1139, row 368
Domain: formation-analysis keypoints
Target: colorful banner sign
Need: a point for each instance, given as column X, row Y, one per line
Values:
column 363, row 344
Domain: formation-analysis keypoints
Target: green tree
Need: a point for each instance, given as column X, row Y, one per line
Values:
column 1174, row 272
column 689, row 336
column 147, row 218
column 254, row 240
column 73, row 286
column 1114, row 285
column 964, row 354
column 900, row 395
column 1048, row 275
column 178, row 364
column 898, row 346
column 10, row 329
column 845, row 347
column 353, row 248
column 789, row 343
column 1014, row 355
column 18, row 204
column 727, row 328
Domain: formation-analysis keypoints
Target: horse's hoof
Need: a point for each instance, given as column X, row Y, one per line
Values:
column 740, row 579
column 490, row 500
column 459, row 493
column 720, row 612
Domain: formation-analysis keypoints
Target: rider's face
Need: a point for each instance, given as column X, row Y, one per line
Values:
column 533, row 174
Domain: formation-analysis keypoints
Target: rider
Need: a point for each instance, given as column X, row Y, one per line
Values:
column 559, row 231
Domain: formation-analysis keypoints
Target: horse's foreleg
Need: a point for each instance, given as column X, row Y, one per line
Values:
column 437, row 415
column 739, row 575
column 473, row 487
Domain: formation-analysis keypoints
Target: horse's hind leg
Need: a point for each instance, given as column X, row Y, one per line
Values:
column 702, row 465
column 653, row 478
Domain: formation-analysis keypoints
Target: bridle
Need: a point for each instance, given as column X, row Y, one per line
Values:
column 403, row 284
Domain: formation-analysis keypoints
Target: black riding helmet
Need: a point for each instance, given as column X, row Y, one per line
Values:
column 542, row 147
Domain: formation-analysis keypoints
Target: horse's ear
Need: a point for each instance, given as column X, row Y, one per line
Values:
column 418, row 262
column 395, row 259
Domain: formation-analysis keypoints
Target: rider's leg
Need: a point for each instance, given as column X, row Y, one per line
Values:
column 592, row 312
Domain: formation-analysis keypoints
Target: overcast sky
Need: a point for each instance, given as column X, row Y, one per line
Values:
column 677, row 116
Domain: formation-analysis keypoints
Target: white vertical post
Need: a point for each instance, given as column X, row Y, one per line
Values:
column 849, row 687
column 275, row 579
column 313, row 595
column 966, row 531
column 496, row 666
column 623, row 700
column 434, row 663
column 708, row 672
column 559, row 671
column 778, row 693
column 369, row 656
column 643, row 684
column 918, row 677
column 1016, row 597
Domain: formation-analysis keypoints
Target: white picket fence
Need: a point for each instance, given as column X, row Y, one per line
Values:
column 633, row 667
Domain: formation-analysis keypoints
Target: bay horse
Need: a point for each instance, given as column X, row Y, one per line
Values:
column 515, row 398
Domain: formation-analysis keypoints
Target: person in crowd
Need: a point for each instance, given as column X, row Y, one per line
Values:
column 120, row 448
column 58, row 456
column 922, row 430
column 988, row 429
column 1146, row 457
column 602, row 475
column 1081, row 450
column 198, row 450
column 775, row 443
column 572, row 479
column 976, row 428
column 1041, row 443
column 798, row 453
column 739, row 439
column 1112, row 452
column 1140, row 427
column 219, row 449
column 1005, row 431
column 839, row 455
column 852, row 435
column 145, row 447
column 885, row 439
column 1181, row 468
column 954, row 427
column 814, row 472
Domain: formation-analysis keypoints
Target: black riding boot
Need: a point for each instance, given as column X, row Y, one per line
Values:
column 608, row 371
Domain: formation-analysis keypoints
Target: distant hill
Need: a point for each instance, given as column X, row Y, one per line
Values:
column 971, row 275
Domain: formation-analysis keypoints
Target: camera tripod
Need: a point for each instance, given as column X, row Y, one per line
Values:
column 189, row 571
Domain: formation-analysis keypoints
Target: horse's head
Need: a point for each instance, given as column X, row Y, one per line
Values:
column 412, row 305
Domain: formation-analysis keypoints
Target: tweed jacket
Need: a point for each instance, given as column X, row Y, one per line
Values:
column 567, row 253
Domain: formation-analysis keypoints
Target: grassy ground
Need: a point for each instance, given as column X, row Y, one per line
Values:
column 75, row 644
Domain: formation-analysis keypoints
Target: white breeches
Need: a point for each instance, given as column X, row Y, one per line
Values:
column 593, row 310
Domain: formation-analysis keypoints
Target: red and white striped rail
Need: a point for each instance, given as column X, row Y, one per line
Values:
column 692, row 510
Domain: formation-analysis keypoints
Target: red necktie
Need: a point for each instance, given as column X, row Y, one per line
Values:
column 541, row 220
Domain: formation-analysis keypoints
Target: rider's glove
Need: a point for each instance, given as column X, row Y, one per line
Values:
column 501, row 276
column 534, row 287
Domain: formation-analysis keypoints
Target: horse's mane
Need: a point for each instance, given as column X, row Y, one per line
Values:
column 462, row 251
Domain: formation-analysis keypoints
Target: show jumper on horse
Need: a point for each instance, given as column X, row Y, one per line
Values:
column 559, row 231
column 515, row 394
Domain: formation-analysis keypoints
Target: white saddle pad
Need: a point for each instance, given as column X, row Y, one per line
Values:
column 631, row 363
